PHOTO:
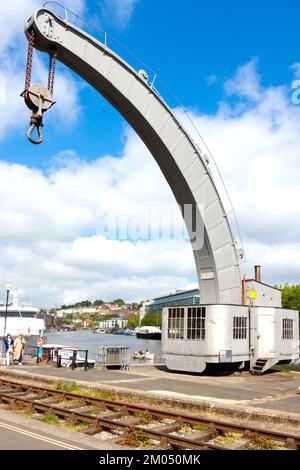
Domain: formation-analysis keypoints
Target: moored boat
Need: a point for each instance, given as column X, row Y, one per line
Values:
column 148, row 332
column 99, row 330
column 143, row 355
column 17, row 319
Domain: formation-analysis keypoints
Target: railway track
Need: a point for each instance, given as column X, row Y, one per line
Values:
column 132, row 424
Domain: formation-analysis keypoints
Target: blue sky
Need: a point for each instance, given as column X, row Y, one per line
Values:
column 187, row 43
column 232, row 65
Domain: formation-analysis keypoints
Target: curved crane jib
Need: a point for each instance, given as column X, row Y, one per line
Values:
column 181, row 162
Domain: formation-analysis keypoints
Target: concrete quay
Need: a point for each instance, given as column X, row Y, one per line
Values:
column 268, row 399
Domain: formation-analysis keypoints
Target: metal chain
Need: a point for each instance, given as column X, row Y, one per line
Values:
column 29, row 60
column 51, row 76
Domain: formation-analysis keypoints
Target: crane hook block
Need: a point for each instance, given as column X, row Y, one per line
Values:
column 38, row 99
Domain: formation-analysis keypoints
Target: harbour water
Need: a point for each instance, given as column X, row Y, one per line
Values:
column 92, row 341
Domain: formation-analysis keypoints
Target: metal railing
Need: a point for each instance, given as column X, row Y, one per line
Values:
column 113, row 357
column 54, row 354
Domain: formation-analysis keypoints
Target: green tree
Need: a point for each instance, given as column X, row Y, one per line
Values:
column 84, row 303
column 119, row 302
column 152, row 319
column 95, row 316
column 133, row 321
column 61, row 321
column 290, row 296
column 97, row 303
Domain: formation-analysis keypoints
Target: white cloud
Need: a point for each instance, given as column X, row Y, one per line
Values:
column 118, row 12
column 52, row 220
column 52, row 225
column 246, row 82
column 296, row 69
column 258, row 153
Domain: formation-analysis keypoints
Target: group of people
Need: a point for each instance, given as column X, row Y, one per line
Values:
column 141, row 352
column 14, row 348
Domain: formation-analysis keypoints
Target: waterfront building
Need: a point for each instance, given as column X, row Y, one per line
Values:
column 113, row 323
column 180, row 297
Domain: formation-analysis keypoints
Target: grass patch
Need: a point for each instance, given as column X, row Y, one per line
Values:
column 227, row 439
column 286, row 367
column 185, row 428
column 199, row 427
column 49, row 419
column 75, row 427
column 103, row 394
column 136, row 438
column 60, row 385
column 66, row 387
column 28, row 414
column 257, row 442
column 289, row 373
column 147, row 418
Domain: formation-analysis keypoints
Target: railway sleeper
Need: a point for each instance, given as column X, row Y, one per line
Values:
column 48, row 401
column 199, row 435
column 188, row 446
column 7, row 391
column 130, row 420
column 83, row 409
column 166, row 428
column 292, row 444
column 114, row 415
column 92, row 430
column 17, row 394
column 9, row 402
column 35, row 397
column 73, row 405
column 164, row 444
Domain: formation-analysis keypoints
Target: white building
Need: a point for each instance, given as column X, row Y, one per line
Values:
column 76, row 310
column 114, row 323
column 144, row 309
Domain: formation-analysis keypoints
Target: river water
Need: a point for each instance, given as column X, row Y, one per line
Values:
column 92, row 341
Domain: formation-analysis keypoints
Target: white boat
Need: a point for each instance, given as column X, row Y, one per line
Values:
column 148, row 332
column 101, row 331
column 20, row 319
column 143, row 355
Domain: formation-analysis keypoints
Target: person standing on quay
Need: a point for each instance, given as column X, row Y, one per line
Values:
column 40, row 348
column 18, row 348
column 9, row 347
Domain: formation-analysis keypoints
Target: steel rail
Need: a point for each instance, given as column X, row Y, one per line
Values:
column 102, row 422
column 182, row 418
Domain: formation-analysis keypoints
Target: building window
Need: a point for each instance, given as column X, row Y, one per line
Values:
column 176, row 323
column 287, row 328
column 239, row 327
column 196, row 323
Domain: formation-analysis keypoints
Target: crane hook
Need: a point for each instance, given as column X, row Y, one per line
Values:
column 35, row 122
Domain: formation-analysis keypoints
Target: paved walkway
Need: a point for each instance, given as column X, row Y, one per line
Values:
column 21, row 433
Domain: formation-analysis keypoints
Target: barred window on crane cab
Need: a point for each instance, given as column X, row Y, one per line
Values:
column 196, row 323
column 176, row 323
column 287, row 328
column 239, row 327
